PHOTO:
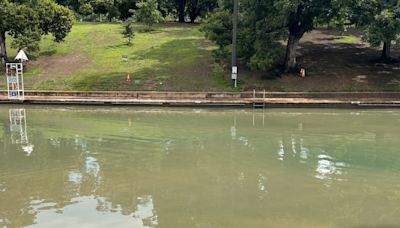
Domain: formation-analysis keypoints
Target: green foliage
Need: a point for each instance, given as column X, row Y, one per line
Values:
column 258, row 45
column 219, row 73
column 262, row 25
column 93, row 10
column 26, row 22
column 110, row 8
column 381, row 20
column 113, row 13
column 129, row 31
column 85, row 8
column 147, row 12
column 218, row 27
column 385, row 27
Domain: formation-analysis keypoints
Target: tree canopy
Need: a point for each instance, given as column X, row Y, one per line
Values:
column 26, row 22
column 181, row 10
column 381, row 18
column 147, row 12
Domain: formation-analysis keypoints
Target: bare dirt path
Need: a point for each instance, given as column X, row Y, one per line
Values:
column 58, row 66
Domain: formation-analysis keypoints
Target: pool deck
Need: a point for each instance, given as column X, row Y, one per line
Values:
column 214, row 99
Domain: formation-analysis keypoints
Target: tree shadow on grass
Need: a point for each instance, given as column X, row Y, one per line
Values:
column 117, row 46
column 97, row 82
column 160, row 78
column 176, row 53
column 335, row 66
column 48, row 52
column 176, row 65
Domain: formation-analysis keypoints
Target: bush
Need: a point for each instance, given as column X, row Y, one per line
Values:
column 147, row 12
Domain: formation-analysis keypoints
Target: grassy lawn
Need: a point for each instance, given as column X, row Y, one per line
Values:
column 177, row 57
column 172, row 57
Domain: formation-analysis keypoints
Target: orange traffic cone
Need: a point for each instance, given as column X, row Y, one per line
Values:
column 302, row 73
column 128, row 78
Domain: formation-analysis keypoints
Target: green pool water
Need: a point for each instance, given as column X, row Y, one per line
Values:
column 156, row 167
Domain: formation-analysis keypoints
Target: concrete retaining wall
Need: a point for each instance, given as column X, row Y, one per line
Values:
column 211, row 95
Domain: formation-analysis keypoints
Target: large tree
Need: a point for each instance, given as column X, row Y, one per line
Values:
column 27, row 21
column 299, row 17
column 381, row 18
column 262, row 24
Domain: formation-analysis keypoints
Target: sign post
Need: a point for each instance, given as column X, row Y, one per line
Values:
column 234, row 76
column 15, row 81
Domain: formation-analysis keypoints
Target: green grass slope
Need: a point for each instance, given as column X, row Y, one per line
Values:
column 171, row 57
column 177, row 57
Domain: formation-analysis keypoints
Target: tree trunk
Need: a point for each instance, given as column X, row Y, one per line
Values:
column 296, row 31
column 193, row 10
column 181, row 10
column 290, row 59
column 3, row 51
column 386, row 50
column 181, row 16
column 192, row 18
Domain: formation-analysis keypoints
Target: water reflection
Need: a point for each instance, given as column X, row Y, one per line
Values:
column 281, row 151
column 262, row 185
column 297, row 149
column 18, row 130
column 145, row 212
column 162, row 169
column 328, row 169
column 303, row 152
column 96, row 214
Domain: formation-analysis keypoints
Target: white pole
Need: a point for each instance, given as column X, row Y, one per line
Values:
column 22, row 80
column 8, row 81
column 16, row 74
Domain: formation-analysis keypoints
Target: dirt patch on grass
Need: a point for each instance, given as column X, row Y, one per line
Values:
column 330, row 36
column 54, row 67
column 335, row 65
column 344, row 67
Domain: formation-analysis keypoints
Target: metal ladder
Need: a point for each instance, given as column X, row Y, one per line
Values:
column 258, row 104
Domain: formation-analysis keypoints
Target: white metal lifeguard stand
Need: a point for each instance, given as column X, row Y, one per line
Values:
column 15, row 77
column 15, row 81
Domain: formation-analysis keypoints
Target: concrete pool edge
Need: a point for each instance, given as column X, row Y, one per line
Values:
column 213, row 99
